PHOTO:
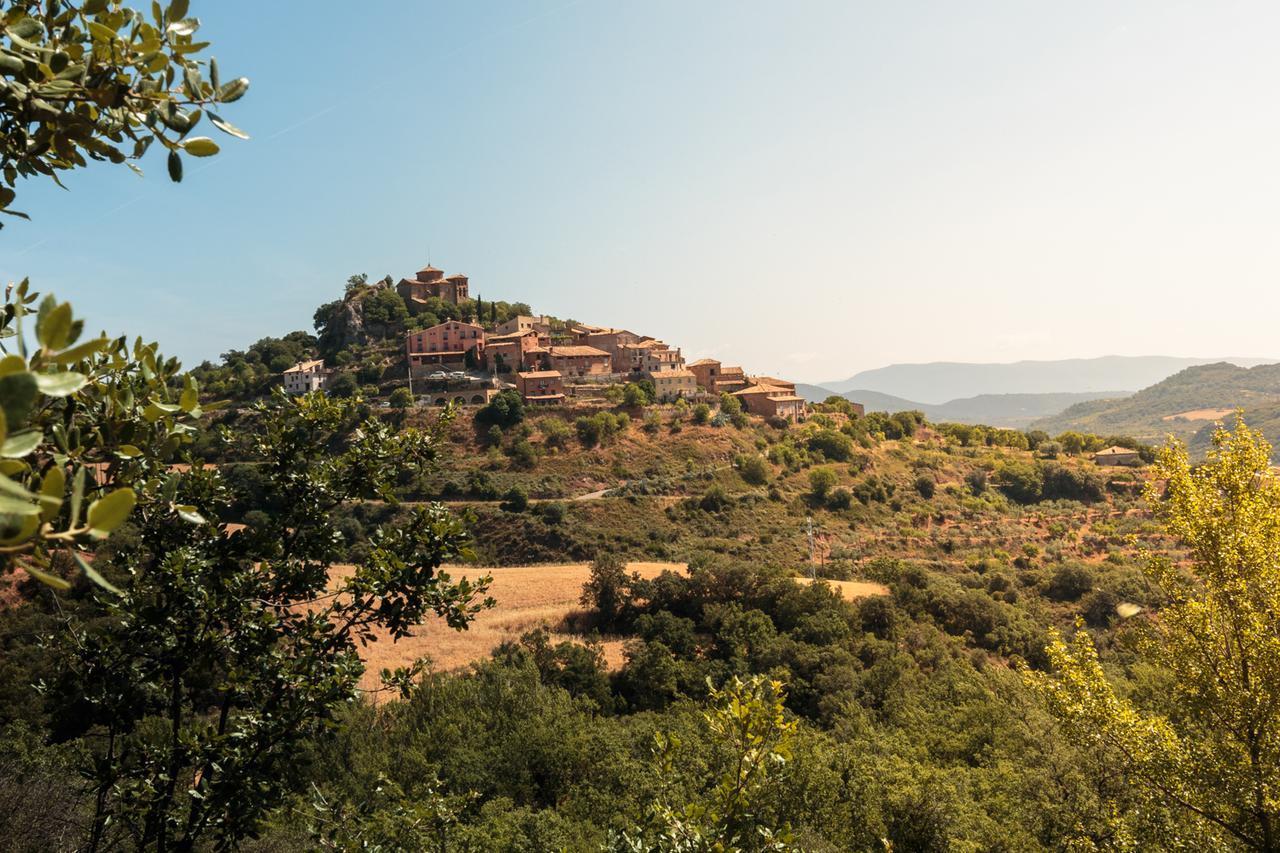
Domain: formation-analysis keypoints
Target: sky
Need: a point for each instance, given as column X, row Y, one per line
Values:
column 808, row 189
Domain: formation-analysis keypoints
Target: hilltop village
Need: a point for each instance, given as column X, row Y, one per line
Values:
column 469, row 359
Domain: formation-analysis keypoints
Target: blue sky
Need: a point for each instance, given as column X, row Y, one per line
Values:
column 807, row 188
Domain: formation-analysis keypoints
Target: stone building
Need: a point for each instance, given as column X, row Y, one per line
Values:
column 1117, row 456
column 430, row 282
column 515, row 351
column 579, row 361
column 541, row 387
column 305, row 376
column 673, row 384
column 771, row 401
column 452, row 344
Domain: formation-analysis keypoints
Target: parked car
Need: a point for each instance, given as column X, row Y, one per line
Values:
column 438, row 376
column 459, row 375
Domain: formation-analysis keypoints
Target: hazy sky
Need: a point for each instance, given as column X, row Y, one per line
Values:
column 805, row 188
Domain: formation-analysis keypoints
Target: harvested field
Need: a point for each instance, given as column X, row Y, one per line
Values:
column 854, row 590
column 527, row 597
column 1200, row 415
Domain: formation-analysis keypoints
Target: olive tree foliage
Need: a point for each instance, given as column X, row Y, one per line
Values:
column 752, row 737
column 1215, row 751
column 225, row 651
column 86, row 427
column 96, row 80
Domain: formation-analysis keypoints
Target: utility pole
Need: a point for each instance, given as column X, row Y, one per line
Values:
column 813, row 571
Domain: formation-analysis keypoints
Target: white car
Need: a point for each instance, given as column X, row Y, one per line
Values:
column 438, row 376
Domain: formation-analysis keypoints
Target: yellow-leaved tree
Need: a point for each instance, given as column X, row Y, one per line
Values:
column 1214, row 754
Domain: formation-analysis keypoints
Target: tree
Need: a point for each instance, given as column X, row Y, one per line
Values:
column 343, row 385
column 701, row 413
column 504, row 411
column 221, row 654
column 751, row 737
column 755, row 470
column 606, row 589
column 1215, row 753
column 401, row 398
column 821, row 481
column 96, row 79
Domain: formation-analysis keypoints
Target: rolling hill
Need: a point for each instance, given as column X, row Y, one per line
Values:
column 1003, row 410
column 1182, row 405
column 941, row 381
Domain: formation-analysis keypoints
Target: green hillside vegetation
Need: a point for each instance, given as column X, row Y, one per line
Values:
column 1153, row 413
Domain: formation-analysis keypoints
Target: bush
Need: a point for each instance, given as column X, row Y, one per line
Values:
column 714, row 499
column 1062, row 482
column 401, row 398
column 926, row 486
column 821, row 481
column 976, row 480
column 523, row 455
column 701, row 413
column 503, row 411
column 835, row 446
column 1070, row 581
column 600, row 428
column 343, row 385
column 552, row 512
column 754, row 470
column 555, row 432
column 841, row 498
column 515, row 500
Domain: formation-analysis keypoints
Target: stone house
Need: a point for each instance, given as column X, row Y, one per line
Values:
column 649, row 356
column 515, row 351
column 673, row 384
column 1117, row 456
column 613, row 342
column 430, row 282
column 717, row 378
column 541, row 387
column 578, row 361
column 305, row 376
column 522, row 323
column 771, row 401
column 445, row 345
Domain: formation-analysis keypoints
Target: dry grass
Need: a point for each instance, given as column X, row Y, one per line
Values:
column 527, row 597
column 1200, row 415
column 853, row 590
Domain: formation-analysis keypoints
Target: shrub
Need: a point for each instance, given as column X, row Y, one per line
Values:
column 504, row 410
column 714, row 499
column 926, row 486
column 515, row 500
column 523, row 455
column 552, row 512
column 401, row 398
column 821, row 481
column 835, row 446
column 841, row 498
column 555, row 432
column 754, row 470
column 701, row 413
column 976, row 480
column 1069, row 582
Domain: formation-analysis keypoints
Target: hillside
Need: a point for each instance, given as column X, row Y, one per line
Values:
column 1002, row 410
column 1181, row 405
column 940, row 381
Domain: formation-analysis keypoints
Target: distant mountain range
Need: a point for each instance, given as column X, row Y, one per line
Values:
column 1184, row 405
column 1003, row 410
column 942, row 381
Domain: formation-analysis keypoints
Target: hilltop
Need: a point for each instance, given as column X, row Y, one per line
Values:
column 1002, row 410
column 1182, row 405
column 941, row 381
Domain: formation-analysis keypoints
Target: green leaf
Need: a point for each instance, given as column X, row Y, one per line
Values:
column 185, row 27
column 18, row 393
column 128, row 451
column 12, row 364
column 47, row 579
column 80, row 351
column 190, row 395
column 101, row 32
column 109, row 512
column 189, row 514
column 17, row 506
column 18, row 446
column 93, row 574
column 52, row 489
column 234, row 90
column 175, row 167
column 77, row 495
column 27, row 28
column 200, row 146
column 227, row 127
column 177, row 10
column 60, row 384
column 4, row 427
column 53, row 327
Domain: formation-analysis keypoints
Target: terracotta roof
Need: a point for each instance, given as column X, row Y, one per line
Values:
column 703, row 361
column 575, row 352
column 762, row 389
column 446, row 323
column 540, row 374
column 788, row 398
column 512, row 335
column 736, row 371
column 455, row 275
column 1115, row 450
column 544, row 396
column 306, row 366
column 676, row 373
column 429, row 268
column 770, row 380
